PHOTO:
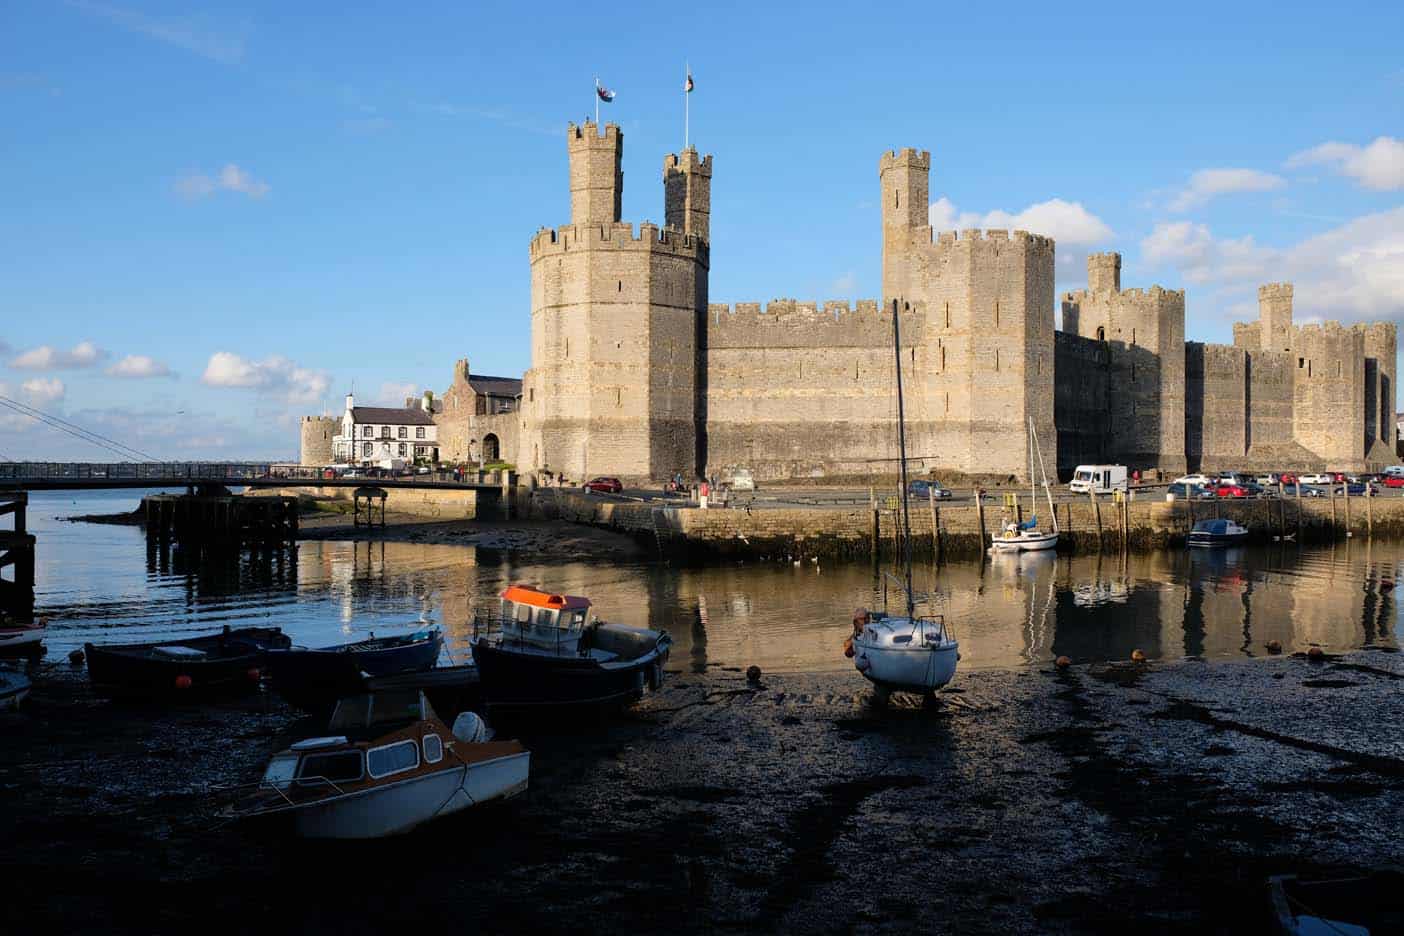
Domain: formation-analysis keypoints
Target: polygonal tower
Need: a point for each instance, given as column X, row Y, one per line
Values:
column 616, row 314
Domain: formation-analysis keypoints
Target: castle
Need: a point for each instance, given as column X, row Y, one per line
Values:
column 635, row 374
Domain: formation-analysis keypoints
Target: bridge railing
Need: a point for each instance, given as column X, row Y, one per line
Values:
column 175, row 472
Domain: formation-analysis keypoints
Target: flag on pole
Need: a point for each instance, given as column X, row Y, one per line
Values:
column 688, row 88
column 605, row 94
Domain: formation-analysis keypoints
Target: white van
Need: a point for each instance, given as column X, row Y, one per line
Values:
column 1394, row 471
column 1101, row 479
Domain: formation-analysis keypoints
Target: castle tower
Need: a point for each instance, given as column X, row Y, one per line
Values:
column 905, row 184
column 1275, row 316
column 316, row 440
column 687, row 193
column 615, row 320
column 1144, row 334
column 1380, row 347
column 596, row 174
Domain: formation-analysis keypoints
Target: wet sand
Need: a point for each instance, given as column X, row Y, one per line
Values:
column 1099, row 799
column 545, row 540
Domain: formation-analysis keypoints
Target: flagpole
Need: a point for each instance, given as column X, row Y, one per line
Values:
column 597, row 100
column 687, row 103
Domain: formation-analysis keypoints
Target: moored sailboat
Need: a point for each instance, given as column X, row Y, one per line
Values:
column 1026, row 536
column 904, row 653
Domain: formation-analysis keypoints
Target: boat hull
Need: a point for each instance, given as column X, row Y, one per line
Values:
column 1211, row 540
column 397, row 808
column 313, row 679
column 513, row 679
column 906, row 670
column 234, row 667
column 1034, row 543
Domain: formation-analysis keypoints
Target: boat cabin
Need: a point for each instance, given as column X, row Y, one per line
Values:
column 542, row 620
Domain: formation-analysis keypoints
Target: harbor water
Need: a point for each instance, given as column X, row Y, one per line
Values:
column 104, row 583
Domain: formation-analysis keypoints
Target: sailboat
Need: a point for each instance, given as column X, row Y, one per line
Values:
column 903, row 653
column 1026, row 536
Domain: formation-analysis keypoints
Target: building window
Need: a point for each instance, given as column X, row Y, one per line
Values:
column 996, row 359
column 433, row 748
column 948, row 315
column 368, row 449
column 402, row 450
column 1101, row 333
column 1301, row 362
column 385, row 432
column 996, row 313
column 368, row 431
column 419, row 432
column 404, row 432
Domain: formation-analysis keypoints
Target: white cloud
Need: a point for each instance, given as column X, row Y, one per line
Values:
column 846, row 283
column 1378, row 166
column 1068, row 223
column 197, row 185
column 45, row 357
column 395, row 394
column 41, row 391
column 1207, row 184
column 183, row 32
column 276, row 376
column 139, row 365
column 1351, row 272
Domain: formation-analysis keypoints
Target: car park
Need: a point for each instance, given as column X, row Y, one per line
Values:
column 924, row 488
column 604, row 486
column 1357, row 489
column 1183, row 491
column 1317, row 478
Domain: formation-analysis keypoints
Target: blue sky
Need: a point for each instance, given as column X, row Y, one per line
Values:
column 220, row 216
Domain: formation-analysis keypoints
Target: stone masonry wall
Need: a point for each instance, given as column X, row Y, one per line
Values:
column 316, row 440
column 1080, row 404
column 1215, row 397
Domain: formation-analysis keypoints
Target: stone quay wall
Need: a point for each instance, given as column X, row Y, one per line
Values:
column 860, row 532
column 428, row 503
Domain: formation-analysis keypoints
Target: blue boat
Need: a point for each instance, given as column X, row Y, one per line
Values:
column 315, row 678
column 1219, row 532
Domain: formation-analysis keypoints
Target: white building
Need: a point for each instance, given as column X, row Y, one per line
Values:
column 376, row 435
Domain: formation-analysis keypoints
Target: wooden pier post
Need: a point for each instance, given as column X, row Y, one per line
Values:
column 980, row 517
column 935, row 535
column 1369, row 513
column 877, row 532
column 1299, row 512
column 17, row 550
column 1345, row 488
column 1097, row 512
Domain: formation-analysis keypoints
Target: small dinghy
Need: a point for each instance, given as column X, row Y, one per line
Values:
column 13, row 689
column 390, row 764
column 544, row 650
column 316, row 678
column 230, row 661
column 1217, row 533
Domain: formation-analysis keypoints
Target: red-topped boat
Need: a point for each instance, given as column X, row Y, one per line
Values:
column 547, row 650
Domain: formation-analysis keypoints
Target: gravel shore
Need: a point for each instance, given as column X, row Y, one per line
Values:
column 1097, row 799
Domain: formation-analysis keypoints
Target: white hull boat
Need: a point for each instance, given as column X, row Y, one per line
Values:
column 1024, row 541
column 24, row 638
column 904, row 655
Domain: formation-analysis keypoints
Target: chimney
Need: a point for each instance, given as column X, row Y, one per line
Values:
column 350, row 402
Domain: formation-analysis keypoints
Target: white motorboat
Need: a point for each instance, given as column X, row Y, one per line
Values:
column 905, row 653
column 1026, row 536
column 394, row 766
column 1217, row 532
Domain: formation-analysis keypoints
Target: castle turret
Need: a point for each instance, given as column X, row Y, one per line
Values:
column 1104, row 273
column 687, row 193
column 596, row 176
column 904, row 179
column 1275, row 314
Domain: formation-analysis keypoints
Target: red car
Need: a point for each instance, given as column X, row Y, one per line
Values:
column 1289, row 479
column 1394, row 481
column 604, row 485
column 1230, row 490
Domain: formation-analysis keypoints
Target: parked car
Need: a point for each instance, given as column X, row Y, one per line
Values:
column 1242, row 489
column 1357, row 489
column 1394, row 481
column 604, row 486
column 1317, row 478
column 1268, row 480
column 1189, row 491
column 1199, row 480
column 1234, row 477
column 1312, row 490
column 1289, row 478
column 1395, row 471
column 924, row 488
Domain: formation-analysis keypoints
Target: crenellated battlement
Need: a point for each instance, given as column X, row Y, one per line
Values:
column 790, row 323
column 688, row 161
column 1154, row 293
column 907, row 157
column 1275, row 291
column 977, row 236
column 621, row 235
column 589, row 130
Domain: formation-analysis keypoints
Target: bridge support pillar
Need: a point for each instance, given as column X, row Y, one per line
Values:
column 16, row 554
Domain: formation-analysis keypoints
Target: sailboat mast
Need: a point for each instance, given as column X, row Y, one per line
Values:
column 902, row 453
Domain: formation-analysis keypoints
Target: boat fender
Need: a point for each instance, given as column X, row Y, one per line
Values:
column 253, row 674
column 470, row 727
column 183, row 681
column 863, row 663
column 655, row 676
column 848, row 648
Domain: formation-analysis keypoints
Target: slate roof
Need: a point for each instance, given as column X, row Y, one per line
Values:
column 391, row 415
column 495, row 386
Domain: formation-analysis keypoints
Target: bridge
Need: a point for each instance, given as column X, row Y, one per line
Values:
column 81, row 476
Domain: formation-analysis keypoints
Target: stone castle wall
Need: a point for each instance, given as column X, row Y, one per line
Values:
column 1081, row 401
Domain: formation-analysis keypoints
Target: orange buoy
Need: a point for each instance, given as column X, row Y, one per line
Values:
column 1062, row 662
column 1274, row 646
column 253, row 674
column 1315, row 653
column 183, row 681
column 1137, row 656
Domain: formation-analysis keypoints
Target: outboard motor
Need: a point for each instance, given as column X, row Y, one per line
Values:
column 470, row 727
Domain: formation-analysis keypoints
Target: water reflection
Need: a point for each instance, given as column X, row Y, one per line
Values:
column 1010, row 611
